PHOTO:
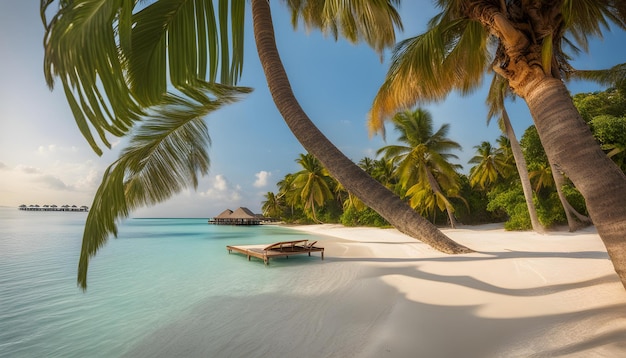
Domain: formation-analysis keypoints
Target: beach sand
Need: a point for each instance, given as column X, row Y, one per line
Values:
column 380, row 293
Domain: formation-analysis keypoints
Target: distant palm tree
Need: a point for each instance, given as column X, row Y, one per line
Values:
column 286, row 192
column 423, row 166
column 380, row 169
column 311, row 185
column 367, row 164
column 491, row 164
column 541, row 175
column 273, row 205
column 384, row 172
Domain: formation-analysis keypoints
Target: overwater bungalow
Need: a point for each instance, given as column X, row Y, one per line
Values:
column 241, row 216
column 53, row 207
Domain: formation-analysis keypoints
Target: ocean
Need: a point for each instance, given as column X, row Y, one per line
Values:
column 140, row 285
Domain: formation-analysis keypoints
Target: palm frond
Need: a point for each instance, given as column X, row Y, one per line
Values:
column 613, row 76
column 371, row 21
column 115, row 59
column 80, row 48
column 585, row 18
column 165, row 155
column 450, row 55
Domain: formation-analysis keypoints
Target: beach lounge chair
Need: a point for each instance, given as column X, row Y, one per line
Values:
column 282, row 248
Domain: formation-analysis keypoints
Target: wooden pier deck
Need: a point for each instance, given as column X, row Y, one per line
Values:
column 278, row 249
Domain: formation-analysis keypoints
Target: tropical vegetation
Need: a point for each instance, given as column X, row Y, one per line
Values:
column 527, row 46
column 491, row 191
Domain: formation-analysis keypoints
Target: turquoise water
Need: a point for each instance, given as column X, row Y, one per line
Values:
column 154, row 272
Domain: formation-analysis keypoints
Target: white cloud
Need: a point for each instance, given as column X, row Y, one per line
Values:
column 3, row 166
column 235, row 195
column 261, row 178
column 43, row 149
column 55, row 184
column 220, row 183
column 221, row 190
column 54, row 149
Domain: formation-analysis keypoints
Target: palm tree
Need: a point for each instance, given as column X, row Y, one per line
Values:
column 311, row 185
column 423, row 162
column 524, row 43
column 384, row 172
column 498, row 91
column 137, row 52
column 368, row 165
column 273, row 205
column 353, row 178
column 541, row 175
column 491, row 164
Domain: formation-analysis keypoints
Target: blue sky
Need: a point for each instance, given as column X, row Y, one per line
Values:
column 45, row 160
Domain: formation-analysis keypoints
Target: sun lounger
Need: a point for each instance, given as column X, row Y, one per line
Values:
column 278, row 249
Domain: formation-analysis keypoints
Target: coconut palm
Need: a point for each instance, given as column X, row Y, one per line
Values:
column 273, row 205
column 286, row 192
column 354, row 23
column 311, row 185
column 163, row 59
column 423, row 161
column 491, row 164
column 525, row 43
column 384, row 172
column 367, row 164
column 541, row 175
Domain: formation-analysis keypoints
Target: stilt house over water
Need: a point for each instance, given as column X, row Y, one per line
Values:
column 241, row 216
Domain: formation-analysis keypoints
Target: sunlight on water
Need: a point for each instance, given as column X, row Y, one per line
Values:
column 152, row 273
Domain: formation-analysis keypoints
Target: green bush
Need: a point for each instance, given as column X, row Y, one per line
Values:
column 550, row 210
column 366, row 217
column 473, row 211
column 511, row 201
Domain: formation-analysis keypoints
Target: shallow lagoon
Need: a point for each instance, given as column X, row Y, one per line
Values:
column 156, row 271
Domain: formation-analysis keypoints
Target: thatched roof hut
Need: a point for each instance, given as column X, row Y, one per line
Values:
column 241, row 216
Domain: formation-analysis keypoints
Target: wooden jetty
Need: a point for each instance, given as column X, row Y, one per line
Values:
column 278, row 249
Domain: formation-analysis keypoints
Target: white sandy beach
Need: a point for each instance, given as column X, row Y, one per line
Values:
column 522, row 294
column 380, row 293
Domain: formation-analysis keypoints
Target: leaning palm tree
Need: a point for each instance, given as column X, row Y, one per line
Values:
column 525, row 43
column 358, row 20
column 164, row 65
column 423, row 161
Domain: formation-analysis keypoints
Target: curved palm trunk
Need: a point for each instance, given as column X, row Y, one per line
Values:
column 353, row 178
column 569, row 144
column 570, row 212
column 520, row 163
